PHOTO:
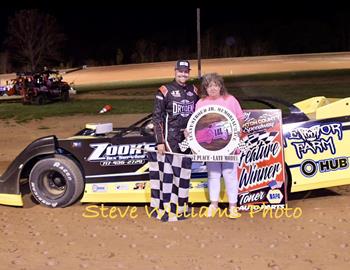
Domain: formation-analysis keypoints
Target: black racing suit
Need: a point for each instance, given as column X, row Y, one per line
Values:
column 173, row 107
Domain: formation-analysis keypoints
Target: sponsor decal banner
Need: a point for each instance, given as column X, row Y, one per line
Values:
column 320, row 147
column 184, row 108
column 99, row 188
column 261, row 171
column 315, row 139
column 108, row 154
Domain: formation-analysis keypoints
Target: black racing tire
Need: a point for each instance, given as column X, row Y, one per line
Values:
column 39, row 100
column 56, row 182
column 65, row 95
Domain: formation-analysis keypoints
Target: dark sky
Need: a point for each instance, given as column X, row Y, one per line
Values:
column 99, row 30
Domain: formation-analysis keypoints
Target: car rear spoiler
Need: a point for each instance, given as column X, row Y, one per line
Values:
column 295, row 114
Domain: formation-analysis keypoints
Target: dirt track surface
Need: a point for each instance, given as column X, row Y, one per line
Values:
column 35, row 237
column 223, row 66
column 227, row 66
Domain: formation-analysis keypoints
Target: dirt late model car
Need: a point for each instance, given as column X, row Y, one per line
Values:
column 102, row 164
column 216, row 130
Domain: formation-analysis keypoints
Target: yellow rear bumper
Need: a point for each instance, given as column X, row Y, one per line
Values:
column 11, row 199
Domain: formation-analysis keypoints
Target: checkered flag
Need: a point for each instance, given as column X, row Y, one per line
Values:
column 170, row 181
column 251, row 140
column 184, row 145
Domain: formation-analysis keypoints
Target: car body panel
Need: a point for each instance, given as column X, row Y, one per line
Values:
column 139, row 191
column 116, row 170
column 9, row 181
column 11, row 199
column 317, row 153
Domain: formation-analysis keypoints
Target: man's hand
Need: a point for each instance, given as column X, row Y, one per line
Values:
column 161, row 149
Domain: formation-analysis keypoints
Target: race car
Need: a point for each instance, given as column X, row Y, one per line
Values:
column 215, row 131
column 105, row 164
column 46, row 86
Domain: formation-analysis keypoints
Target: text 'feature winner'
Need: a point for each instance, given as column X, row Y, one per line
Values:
column 261, row 165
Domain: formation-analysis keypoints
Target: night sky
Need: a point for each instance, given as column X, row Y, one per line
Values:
column 96, row 32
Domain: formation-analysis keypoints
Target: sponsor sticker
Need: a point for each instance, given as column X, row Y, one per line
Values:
column 122, row 152
column 76, row 144
column 310, row 167
column 175, row 93
column 140, row 186
column 121, row 187
column 183, row 108
column 99, row 188
column 274, row 196
column 202, row 185
column 315, row 139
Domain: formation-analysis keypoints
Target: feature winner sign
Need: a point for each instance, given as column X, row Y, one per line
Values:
column 261, row 164
column 213, row 134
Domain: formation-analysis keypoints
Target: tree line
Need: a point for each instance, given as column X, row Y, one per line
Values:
column 35, row 39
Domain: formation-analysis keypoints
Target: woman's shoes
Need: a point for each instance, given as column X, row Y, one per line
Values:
column 211, row 210
column 234, row 212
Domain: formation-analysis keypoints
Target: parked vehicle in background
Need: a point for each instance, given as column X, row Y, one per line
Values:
column 39, row 87
column 46, row 86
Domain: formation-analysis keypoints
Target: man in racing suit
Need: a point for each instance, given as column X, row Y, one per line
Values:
column 173, row 107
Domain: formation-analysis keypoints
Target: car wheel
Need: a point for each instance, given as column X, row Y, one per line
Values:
column 65, row 96
column 225, row 135
column 211, row 136
column 56, row 182
column 39, row 100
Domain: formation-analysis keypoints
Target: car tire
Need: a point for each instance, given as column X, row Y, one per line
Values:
column 211, row 137
column 225, row 135
column 65, row 96
column 56, row 182
column 39, row 100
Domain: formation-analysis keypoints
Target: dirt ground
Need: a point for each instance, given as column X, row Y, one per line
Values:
column 223, row 66
column 35, row 237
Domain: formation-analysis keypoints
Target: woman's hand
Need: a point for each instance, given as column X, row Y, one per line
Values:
column 186, row 133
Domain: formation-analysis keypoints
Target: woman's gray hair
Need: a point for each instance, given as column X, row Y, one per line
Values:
column 217, row 79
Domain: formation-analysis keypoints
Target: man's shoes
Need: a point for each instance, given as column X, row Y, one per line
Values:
column 182, row 217
column 211, row 210
column 234, row 212
column 188, row 210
